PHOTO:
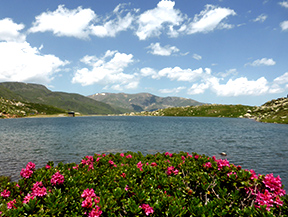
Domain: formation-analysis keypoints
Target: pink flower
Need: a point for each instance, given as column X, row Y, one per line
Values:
column 5, row 193
column 189, row 155
column 87, row 203
column 176, row 172
column 153, row 164
column 88, row 193
column 28, row 198
column 126, row 188
column 38, row 190
column 123, row 175
column 273, row 183
column 196, row 157
column 253, row 175
column 57, row 179
column 232, row 173
column 26, row 173
column 222, row 163
column 207, row 165
column 129, row 156
column 48, row 167
column 76, row 167
column 170, row 154
column 147, row 209
column 98, row 158
column 97, row 200
column 140, row 165
column 11, row 205
column 265, row 199
column 122, row 155
column 30, row 166
column 182, row 157
column 95, row 212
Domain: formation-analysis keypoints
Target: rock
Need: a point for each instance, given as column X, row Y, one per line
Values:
column 223, row 154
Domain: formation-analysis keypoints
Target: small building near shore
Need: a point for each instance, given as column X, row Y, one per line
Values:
column 71, row 114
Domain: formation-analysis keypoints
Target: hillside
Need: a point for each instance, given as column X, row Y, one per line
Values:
column 142, row 101
column 35, row 93
column 274, row 111
column 15, row 109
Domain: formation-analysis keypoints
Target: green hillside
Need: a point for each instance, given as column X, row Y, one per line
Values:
column 35, row 93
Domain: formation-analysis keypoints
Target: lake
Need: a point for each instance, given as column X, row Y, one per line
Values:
column 253, row 145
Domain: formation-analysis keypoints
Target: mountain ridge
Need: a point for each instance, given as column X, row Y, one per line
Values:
column 142, row 101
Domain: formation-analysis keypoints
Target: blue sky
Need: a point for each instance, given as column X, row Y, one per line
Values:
column 213, row 51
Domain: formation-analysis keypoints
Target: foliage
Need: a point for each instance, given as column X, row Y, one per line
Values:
column 131, row 184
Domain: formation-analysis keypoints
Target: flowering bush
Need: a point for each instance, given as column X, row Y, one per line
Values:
column 130, row 184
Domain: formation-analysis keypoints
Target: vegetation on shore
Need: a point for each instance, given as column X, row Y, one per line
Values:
column 130, row 184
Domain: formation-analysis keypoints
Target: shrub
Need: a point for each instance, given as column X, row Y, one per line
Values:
column 131, row 184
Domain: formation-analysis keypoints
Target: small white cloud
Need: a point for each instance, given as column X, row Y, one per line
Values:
column 107, row 70
column 209, row 19
column 198, row 88
column 262, row 62
column 197, row 56
column 149, row 72
column 173, row 90
column 284, row 25
column 9, row 31
column 151, row 22
column 284, row 4
column 227, row 73
column 65, row 22
column 23, row 63
column 261, row 18
column 167, row 50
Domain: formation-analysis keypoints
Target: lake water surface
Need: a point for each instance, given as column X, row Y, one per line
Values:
column 259, row 146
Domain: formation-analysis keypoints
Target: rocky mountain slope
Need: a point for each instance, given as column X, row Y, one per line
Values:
column 142, row 101
column 35, row 93
column 274, row 111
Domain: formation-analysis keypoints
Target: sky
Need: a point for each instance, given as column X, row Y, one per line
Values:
column 212, row 51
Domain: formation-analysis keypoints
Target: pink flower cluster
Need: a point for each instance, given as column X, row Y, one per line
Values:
column 171, row 170
column 168, row 154
column 28, row 171
column 88, row 161
column 222, row 163
column 274, row 184
column 38, row 190
column 129, row 156
column 207, row 165
column 140, row 165
column 90, row 197
column 112, row 163
column 28, row 198
column 57, row 179
column 5, row 193
column 10, row 204
column 147, row 209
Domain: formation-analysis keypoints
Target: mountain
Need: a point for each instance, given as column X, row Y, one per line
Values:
column 142, row 101
column 36, row 93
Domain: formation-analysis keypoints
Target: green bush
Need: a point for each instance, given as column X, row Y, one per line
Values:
column 131, row 184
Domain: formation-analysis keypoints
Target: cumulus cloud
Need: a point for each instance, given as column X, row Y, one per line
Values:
column 283, row 79
column 107, row 70
column 167, row 50
column 261, row 18
column 210, row 19
column 113, row 26
column 284, row 4
column 10, row 31
column 173, row 90
column 65, row 22
column 23, row 63
column 153, row 21
column 198, row 88
column 284, row 25
column 239, row 87
column 262, row 62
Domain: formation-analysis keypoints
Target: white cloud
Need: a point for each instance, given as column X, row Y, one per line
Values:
column 65, row 22
column 262, row 62
column 198, row 88
column 167, row 50
column 284, row 4
column 283, row 79
column 261, row 18
column 151, row 22
column 107, row 70
column 209, row 19
column 284, row 25
column 240, row 87
column 173, row 90
column 23, row 63
column 113, row 26
column 228, row 72
column 179, row 74
column 9, row 31
column 149, row 72
column 197, row 56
